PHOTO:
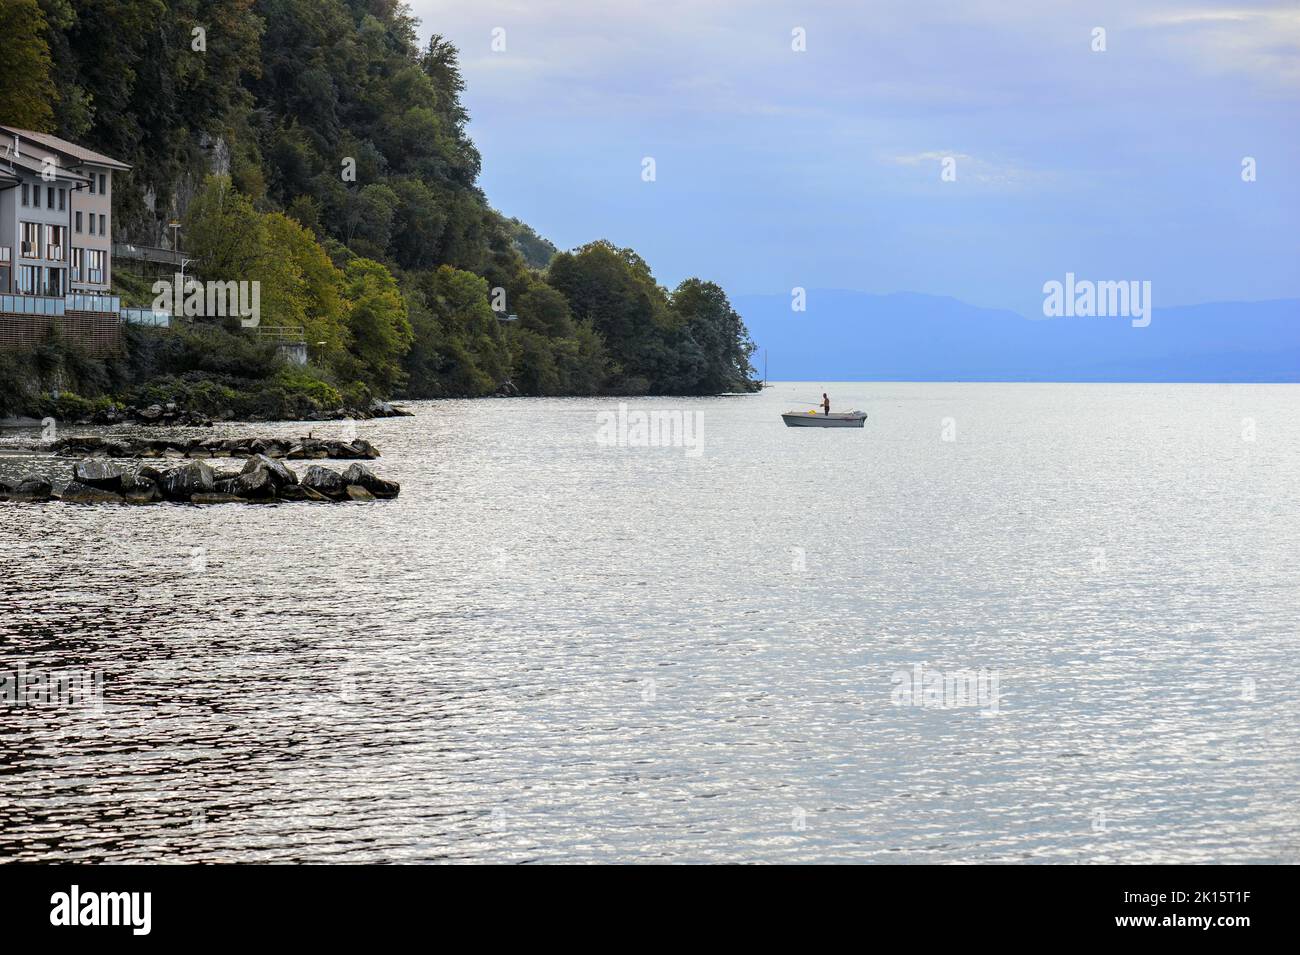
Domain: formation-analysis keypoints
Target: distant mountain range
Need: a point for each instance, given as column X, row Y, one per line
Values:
column 850, row 336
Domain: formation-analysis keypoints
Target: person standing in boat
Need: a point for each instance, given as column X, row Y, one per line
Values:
column 826, row 403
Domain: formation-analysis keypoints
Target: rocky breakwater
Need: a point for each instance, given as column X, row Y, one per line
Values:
column 170, row 414
column 262, row 479
column 294, row 449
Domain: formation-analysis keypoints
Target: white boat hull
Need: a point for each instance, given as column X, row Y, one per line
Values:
column 813, row 419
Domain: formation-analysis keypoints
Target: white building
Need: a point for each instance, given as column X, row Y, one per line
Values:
column 56, row 215
column 56, row 240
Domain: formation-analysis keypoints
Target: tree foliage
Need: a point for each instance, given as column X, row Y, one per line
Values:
column 27, row 94
column 345, row 182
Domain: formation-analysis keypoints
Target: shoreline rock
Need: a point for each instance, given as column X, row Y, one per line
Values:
column 170, row 415
column 29, row 490
column 78, row 493
column 293, row 449
column 263, row 480
column 359, row 475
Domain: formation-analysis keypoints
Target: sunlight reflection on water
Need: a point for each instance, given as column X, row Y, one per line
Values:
column 550, row 649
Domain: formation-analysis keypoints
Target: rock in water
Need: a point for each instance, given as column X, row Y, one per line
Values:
column 32, row 490
column 98, row 472
column 358, row 493
column 281, row 474
column 143, row 495
column 383, row 409
column 255, row 484
column 213, row 498
column 182, row 483
column 78, row 493
column 322, row 480
column 140, row 488
column 362, row 476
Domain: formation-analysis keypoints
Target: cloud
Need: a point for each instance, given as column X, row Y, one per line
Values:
column 969, row 168
column 1263, row 44
column 827, row 161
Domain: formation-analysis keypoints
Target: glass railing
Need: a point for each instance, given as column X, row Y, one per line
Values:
column 61, row 304
column 147, row 316
column 95, row 303
column 32, row 305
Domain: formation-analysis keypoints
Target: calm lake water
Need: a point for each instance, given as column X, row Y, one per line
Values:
column 556, row 647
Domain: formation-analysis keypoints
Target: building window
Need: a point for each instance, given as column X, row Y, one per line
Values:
column 92, row 185
column 27, row 194
column 27, row 279
column 103, row 184
column 63, row 199
column 29, row 236
column 54, row 282
column 49, row 197
column 54, row 236
column 103, row 224
column 78, row 221
column 95, row 266
column 92, row 223
column 76, row 264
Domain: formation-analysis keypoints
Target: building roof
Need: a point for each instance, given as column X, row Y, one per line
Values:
column 80, row 153
column 33, row 165
column 8, row 180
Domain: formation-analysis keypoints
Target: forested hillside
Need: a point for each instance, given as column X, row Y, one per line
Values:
column 316, row 147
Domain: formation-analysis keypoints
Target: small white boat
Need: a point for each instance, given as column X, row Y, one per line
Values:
column 816, row 419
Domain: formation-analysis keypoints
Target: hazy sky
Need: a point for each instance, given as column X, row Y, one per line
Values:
column 822, row 168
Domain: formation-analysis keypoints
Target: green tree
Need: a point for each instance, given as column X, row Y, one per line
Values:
column 536, row 371
column 462, row 350
column 224, row 233
column 721, row 335
column 316, row 286
column 28, row 94
column 379, row 325
column 545, row 310
column 418, row 224
column 614, row 290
